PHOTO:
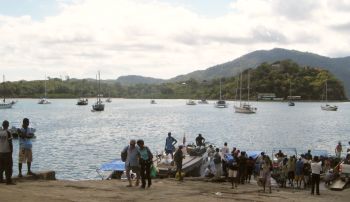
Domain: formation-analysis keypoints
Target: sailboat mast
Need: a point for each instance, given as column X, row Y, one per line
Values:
column 45, row 94
column 3, row 81
column 326, row 91
column 236, row 89
column 220, row 88
column 240, row 90
column 290, row 89
column 99, row 87
column 248, row 85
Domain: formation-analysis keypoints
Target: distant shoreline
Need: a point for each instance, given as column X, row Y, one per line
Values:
column 91, row 98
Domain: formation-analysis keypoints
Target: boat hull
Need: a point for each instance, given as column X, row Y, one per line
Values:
column 5, row 105
column 191, row 102
column 329, row 108
column 291, row 104
column 221, row 104
column 44, row 101
column 82, row 101
column 191, row 164
column 245, row 110
column 98, row 107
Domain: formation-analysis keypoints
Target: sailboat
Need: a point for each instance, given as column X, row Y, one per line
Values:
column 221, row 103
column 44, row 99
column 244, row 108
column 98, row 106
column 328, row 107
column 82, row 101
column 290, row 102
column 4, row 104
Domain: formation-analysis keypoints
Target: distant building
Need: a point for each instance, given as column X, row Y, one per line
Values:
column 294, row 97
column 266, row 96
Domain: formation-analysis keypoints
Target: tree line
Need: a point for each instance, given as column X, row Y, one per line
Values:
column 307, row 82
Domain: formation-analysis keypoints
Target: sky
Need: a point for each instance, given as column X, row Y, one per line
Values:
column 159, row 38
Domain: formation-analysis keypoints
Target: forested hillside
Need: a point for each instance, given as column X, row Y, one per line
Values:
column 307, row 82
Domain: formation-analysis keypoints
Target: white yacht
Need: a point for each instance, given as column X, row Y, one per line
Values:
column 44, row 99
column 244, row 108
column 328, row 107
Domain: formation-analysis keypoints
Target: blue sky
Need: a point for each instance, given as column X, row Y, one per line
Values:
column 38, row 9
column 159, row 38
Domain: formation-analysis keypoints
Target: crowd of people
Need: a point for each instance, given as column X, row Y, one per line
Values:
column 237, row 166
column 25, row 135
column 288, row 171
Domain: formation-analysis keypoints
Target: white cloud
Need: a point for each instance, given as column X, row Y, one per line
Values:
column 157, row 39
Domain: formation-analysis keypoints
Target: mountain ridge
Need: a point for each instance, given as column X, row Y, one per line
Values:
column 338, row 66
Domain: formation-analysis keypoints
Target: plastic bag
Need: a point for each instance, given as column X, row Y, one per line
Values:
column 154, row 171
column 179, row 176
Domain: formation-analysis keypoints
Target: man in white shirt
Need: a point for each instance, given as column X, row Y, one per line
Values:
column 315, row 176
column 224, row 150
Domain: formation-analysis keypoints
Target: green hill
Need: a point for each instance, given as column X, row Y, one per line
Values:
column 307, row 82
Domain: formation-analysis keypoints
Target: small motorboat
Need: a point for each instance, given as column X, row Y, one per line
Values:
column 221, row 104
column 190, row 102
column 82, row 101
column 203, row 101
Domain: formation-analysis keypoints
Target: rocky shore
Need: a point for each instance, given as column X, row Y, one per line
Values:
column 191, row 189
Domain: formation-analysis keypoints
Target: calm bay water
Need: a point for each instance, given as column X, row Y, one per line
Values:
column 74, row 141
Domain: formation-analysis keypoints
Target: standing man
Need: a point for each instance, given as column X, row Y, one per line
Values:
column 6, row 149
column 170, row 145
column 225, row 150
column 178, row 157
column 25, row 147
column 315, row 176
column 338, row 150
column 132, row 162
column 217, row 163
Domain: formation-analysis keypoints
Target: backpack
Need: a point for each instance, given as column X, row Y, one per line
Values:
column 124, row 154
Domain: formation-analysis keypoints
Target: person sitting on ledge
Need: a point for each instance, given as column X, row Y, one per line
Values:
column 200, row 140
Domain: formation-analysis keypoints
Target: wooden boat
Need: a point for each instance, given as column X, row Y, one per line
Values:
column 191, row 164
